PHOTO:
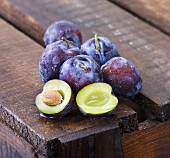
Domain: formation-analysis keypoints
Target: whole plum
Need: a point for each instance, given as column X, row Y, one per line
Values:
column 100, row 48
column 60, row 29
column 80, row 71
column 53, row 57
column 123, row 76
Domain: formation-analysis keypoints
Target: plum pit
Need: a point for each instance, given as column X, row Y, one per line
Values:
column 52, row 97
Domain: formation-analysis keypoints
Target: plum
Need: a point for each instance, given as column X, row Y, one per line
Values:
column 123, row 76
column 96, row 99
column 100, row 48
column 56, row 99
column 53, row 57
column 80, row 71
column 60, row 29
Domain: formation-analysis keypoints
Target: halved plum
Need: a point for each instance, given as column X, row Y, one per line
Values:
column 56, row 99
column 96, row 99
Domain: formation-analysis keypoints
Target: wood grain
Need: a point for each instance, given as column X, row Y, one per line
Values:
column 19, row 85
column 14, row 146
column 97, row 145
column 154, row 12
column 146, row 46
column 152, row 140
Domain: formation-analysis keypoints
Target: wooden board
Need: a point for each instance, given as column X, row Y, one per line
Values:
column 146, row 46
column 152, row 140
column 19, row 85
column 154, row 12
column 14, row 146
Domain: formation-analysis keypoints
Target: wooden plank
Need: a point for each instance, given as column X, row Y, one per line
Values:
column 146, row 46
column 104, row 144
column 20, row 83
column 14, row 146
column 154, row 12
column 152, row 140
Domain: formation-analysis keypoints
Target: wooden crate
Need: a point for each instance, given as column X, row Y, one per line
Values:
column 77, row 135
column 72, row 136
column 147, row 47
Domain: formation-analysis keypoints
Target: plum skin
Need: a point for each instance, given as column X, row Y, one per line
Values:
column 78, row 77
column 53, row 57
column 60, row 29
column 107, row 50
column 123, row 76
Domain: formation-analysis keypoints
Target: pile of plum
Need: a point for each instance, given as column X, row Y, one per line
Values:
column 97, row 63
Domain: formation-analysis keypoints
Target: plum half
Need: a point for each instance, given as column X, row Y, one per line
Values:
column 60, row 29
column 96, row 99
column 100, row 48
column 123, row 76
column 56, row 99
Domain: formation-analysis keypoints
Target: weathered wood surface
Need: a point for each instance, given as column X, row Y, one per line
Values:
column 155, row 12
column 151, row 141
column 107, row 143
column 146, row 46
column 19, row 85
column 14, row 146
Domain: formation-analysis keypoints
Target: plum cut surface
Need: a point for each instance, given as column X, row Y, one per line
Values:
column 96, row 99
column 60, row 86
